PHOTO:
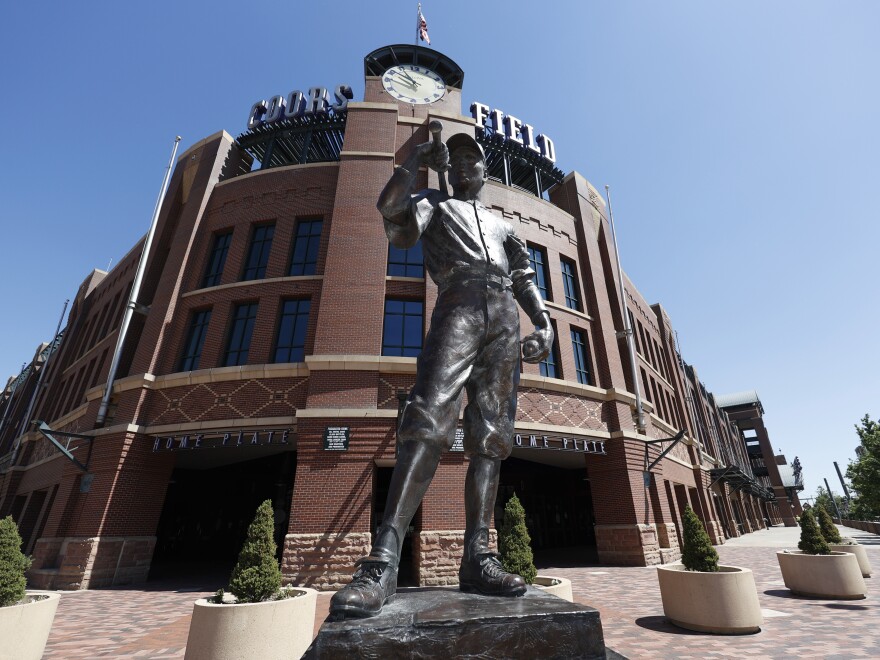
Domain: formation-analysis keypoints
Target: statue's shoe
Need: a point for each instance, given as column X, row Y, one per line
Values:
column 372, row 585
column 485, row 575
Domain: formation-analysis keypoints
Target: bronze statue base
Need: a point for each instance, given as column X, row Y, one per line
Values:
column 446, row 623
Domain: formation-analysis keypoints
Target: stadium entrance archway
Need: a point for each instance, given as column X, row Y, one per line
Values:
column 558, row 505
column 211, row 499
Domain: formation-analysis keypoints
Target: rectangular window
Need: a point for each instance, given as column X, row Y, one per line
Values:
column 406, row 263
column 304, row 259
column 258, row 255
column 644, row 350
column 290, row 346
column 550, row 366
column 240, row 334
column 581, row 357
column 195, row 339
column 402, row 332
column 538, row 262
column 217, row 260
column 569, row 283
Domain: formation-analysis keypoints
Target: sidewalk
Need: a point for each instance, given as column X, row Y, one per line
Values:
column 152, row 622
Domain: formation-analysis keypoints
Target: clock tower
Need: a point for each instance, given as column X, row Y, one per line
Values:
column 421, row 80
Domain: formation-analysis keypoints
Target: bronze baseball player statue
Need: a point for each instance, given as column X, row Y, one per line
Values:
column 481, row 270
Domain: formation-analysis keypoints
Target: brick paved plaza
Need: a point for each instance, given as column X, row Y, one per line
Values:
column 153, row 622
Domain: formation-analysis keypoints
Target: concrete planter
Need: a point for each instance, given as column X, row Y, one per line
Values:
column 556, row 586
column 835, row 576
column 24, row 628
column 272, row 629
column 861, row 555
column 725, row 602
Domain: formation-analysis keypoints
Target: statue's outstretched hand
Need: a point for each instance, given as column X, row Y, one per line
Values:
column 537, row 346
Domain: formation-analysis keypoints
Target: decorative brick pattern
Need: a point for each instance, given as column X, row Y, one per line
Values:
column 268, row 397
column 540, row 406
column 322, row 561
column 388, row 386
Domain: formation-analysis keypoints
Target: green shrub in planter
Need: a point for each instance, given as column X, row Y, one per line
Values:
column 697, row 553
column 827, row 526
column 514, row 542
column 811, row 542
column 256, row 577
column 13, row 564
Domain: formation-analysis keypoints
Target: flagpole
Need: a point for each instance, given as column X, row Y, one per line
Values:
column 132, row 304
column 627, row 326
column 418, row 24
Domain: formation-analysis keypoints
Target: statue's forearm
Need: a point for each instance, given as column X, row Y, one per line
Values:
column 529, row 298
column 395, row 198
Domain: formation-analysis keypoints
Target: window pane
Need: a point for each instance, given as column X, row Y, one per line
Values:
column 406, row 263
column 290, row 344
column 240, row 334
column 217, row 259
column 538, row 261
column 569, row 282
column 581, row 363
column 195, row 339
column 403, row 329
column 412, row 330
column 258, row 255
column 304, row 258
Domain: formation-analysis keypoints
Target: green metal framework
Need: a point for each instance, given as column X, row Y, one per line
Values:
column 739, row 480
column 517, row 166
column 296, row 141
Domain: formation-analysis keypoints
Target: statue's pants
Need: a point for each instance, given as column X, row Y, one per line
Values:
column 473, row 344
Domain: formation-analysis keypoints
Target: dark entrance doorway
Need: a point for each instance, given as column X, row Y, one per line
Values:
column 559, row 510
column 207, row 512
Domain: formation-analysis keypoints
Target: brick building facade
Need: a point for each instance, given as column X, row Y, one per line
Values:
column 272, row 341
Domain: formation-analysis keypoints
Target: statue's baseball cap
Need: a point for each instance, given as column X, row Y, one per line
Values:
column 464, row 140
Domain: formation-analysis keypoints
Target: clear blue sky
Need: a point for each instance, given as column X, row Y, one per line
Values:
column 741, row 141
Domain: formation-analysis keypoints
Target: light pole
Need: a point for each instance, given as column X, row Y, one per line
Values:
column 833, row 501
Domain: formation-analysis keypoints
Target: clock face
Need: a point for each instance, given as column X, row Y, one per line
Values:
column 413, row 84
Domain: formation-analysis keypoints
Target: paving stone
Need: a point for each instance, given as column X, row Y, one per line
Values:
column 155, row 618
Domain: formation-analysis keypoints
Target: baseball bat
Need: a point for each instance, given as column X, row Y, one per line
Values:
column 436, row 127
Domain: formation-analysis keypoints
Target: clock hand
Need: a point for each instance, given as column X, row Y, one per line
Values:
column 408, row 81
column 407, row 76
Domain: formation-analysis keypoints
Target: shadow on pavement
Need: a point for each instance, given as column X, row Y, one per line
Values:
column 846, row 606
column 661, row 624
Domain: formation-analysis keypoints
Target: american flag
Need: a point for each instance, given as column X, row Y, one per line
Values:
column 423, row 27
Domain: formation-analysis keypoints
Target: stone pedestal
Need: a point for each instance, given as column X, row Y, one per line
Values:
column 446, row 623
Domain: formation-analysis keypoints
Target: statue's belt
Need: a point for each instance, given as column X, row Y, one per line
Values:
column 471, row 279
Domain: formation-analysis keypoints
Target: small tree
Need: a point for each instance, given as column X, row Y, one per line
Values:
column 811, row 542
column 256, row 576
column 823, row 499
column 827, row 526
column 697, row 553
column 514, row 542
column 864, row 472
column 13, row 564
